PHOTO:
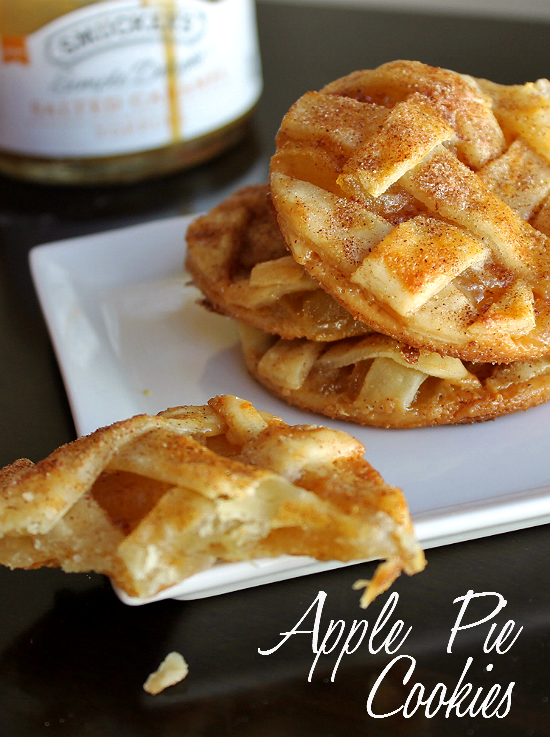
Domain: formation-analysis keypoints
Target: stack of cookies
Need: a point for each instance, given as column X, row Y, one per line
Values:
column 395, row 271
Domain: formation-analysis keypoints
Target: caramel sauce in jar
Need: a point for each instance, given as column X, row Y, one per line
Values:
column 108, row 91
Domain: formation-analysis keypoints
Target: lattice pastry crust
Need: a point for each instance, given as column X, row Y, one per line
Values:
column 153, row 499
column 419, row 198
column 240, row 262
column 375, row 380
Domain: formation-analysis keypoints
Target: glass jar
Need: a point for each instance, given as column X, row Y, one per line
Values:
column 108, row 91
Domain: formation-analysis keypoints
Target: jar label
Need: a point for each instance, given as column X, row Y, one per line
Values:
column 125, row 76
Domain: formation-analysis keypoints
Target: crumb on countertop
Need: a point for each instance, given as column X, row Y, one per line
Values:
column 172, row 670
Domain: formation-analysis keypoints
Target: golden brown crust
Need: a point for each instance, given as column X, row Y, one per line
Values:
column 359, row 380
column 412, row 194
column 239, row 260
column 151, row 500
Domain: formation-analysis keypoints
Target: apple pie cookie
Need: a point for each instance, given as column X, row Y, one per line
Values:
column 239, row 260
column 375, row 380
column 151, row 500
column 419, row 198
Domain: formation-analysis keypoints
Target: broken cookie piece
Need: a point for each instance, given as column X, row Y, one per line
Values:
column 152, row 500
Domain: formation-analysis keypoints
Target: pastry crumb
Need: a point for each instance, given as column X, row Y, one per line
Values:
column 361, row 583
column 172, row 670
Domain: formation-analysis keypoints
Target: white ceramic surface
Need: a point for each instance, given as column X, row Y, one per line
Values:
column 130, row 338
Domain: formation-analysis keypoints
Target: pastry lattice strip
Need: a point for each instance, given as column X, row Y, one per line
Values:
column 520, row 177
column 151, row 500
column 269, row 281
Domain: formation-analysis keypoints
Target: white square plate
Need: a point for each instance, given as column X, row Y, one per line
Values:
column 130, row 338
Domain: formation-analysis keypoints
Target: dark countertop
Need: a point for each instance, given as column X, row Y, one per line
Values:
column 73, row 658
